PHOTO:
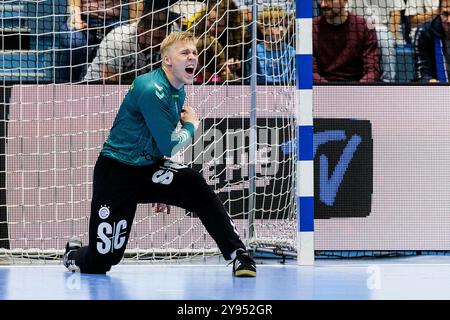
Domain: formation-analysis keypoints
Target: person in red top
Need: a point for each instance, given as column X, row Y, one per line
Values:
column 345, row 47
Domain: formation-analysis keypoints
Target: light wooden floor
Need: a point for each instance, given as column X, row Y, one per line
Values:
column 420, row 277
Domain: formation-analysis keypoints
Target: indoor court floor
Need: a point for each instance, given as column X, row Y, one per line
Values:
column 401, row 278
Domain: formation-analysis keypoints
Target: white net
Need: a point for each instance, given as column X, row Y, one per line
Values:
column 54, row 125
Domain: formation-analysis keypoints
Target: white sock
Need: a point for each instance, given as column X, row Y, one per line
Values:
column 233, row 254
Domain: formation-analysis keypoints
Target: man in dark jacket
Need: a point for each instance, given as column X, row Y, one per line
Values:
column 432, row 49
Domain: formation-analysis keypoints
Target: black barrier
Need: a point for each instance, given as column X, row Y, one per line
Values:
column 221, row 154
column 343, row 166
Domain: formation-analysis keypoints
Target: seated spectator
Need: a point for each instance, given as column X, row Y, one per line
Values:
column 381, row 13
column 432, row 47
column 131, row 49
column 212, row 66
column 88, row 23
column 139, row 6
column 224, row 21
column 385, row 17
column 246, row 6
column 344, row 46
column 419, row 12
column 275, row 57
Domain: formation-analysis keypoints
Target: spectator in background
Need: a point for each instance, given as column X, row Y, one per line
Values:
column 275, row 57
column 385, row 17
column 131, row 49
column 88, row 23
column 420, row 11
column 246, row 6
column 432, row 47
column 212, row 66
column 344, row 47
column 140, row 6
column 225, row 22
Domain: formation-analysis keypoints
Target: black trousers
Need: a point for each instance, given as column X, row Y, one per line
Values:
column 118, row 188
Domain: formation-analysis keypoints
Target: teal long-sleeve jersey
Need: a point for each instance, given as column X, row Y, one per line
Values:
column 144, row 128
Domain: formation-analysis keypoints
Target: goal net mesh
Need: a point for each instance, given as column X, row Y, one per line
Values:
column 64, row 81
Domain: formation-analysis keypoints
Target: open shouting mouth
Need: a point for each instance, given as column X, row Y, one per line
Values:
column 190, row 70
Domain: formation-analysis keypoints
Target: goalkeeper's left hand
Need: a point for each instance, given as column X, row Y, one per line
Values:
column 161, row 208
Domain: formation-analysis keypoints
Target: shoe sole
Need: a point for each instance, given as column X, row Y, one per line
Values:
column 245, row 273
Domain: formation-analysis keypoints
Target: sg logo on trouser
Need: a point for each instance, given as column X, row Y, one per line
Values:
column 165, row 175
column 111, row 237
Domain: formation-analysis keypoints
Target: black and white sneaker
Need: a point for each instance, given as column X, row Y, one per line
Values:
column 72, row 245
column 243, row 265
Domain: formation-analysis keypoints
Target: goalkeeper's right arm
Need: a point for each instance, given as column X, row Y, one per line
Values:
column 158, row 116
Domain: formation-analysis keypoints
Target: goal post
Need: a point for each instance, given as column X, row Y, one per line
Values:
column 304, row 122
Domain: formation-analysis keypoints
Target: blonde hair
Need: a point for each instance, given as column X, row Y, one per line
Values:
column 182, row 36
